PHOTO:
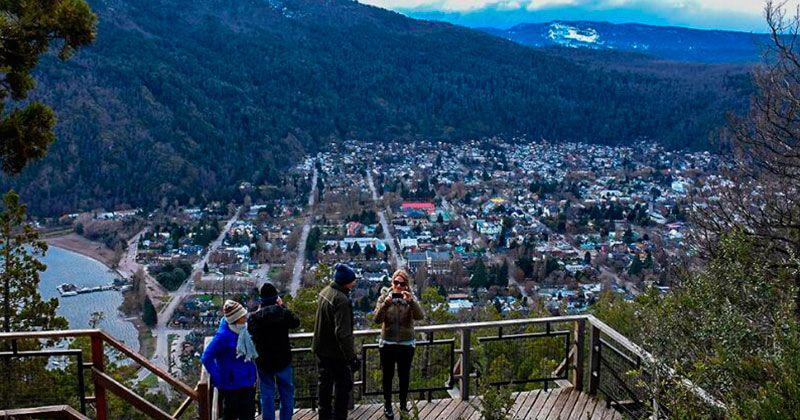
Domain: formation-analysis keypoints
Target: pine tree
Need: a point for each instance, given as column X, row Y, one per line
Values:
column 636, row 266
column 28, row 28
column 648, row 261
column 478, row 275
column 149, row 316
column 20, row 244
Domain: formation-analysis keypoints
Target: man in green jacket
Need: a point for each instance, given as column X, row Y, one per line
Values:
column 334, row 345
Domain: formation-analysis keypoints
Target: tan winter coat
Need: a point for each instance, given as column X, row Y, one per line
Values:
column 397, row 318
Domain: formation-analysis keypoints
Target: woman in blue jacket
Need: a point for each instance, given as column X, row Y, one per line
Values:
column 229, row 360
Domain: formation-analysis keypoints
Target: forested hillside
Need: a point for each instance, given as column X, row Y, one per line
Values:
column 180, row 99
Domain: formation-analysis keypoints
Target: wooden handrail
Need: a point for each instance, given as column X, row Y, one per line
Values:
column 144, row 362
column 648, row 358
column 130, row 397
column 182, row 408
column 43, row 335
column 47, row 412
column 104, row 382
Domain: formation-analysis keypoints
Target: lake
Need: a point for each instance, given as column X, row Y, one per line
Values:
column 69, row 267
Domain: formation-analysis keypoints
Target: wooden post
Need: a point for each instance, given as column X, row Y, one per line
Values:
column 99, row 387
column 594, row 360
column 466, row 363
column 203, row 402
column 580, row 331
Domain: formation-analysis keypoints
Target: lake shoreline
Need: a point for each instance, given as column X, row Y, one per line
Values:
column 93, row 251
column 80, row 245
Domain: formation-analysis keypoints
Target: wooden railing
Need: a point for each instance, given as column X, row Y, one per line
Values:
column 593, row 357
column 104, row 383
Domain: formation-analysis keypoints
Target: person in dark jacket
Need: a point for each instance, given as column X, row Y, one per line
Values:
column 270, row 326
column 333, row 344
column 396, row 311
column 226, row 360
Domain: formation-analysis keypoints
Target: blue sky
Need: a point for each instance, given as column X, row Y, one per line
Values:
column 740, row 15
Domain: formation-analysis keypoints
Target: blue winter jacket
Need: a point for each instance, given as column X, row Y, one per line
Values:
column 227, row 371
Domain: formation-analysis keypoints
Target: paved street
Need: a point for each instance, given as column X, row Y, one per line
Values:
column 128, row 266
column 161, row 331
column 387, row 233
column 300, row 260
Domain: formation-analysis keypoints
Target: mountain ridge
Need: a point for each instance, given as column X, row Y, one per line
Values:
column 182, row 100
column 666, row 42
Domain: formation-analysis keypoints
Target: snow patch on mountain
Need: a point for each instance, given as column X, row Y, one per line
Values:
column 570, row 35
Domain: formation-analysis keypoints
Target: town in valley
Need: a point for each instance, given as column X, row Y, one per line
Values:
column 486, row 228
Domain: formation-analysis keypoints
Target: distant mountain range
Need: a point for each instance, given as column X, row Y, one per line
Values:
column 181, row 99
column 671, row 43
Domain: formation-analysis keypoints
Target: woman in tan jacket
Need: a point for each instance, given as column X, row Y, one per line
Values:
column 396, row 311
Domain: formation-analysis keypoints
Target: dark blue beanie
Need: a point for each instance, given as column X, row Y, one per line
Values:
column 269, row 294
column 344, row 275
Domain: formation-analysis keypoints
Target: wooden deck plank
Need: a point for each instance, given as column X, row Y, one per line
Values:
column 519, row 399
column 471, row 410
column 423, row 412
column 610, row 412
column 359, row 411
column 577, row 409
column 555, row 412
column 545, row 408
column 589, row 408
column 558, row 403
column 433, row 406
column 569, row 404
column 420, row 405
column 457, row 412
column 600, row 410
column 441, row 409
column 305, row 414
column 377, row 413
column 476, row 414
column 537, row 405
column 522, row 410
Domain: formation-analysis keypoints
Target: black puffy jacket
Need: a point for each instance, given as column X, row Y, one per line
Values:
column 270, row 326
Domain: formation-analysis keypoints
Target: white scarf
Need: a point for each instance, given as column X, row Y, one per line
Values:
column 244, row 342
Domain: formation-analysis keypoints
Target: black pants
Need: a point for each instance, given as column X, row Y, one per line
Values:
column 334, row 376
column 239, row 404
column 400, row 355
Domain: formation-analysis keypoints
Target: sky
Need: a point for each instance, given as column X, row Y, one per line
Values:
column 739, row 15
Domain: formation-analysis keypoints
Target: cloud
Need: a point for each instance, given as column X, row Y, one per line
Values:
column 742, row 6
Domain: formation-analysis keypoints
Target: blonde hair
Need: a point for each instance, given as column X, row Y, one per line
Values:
column 401, row 272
